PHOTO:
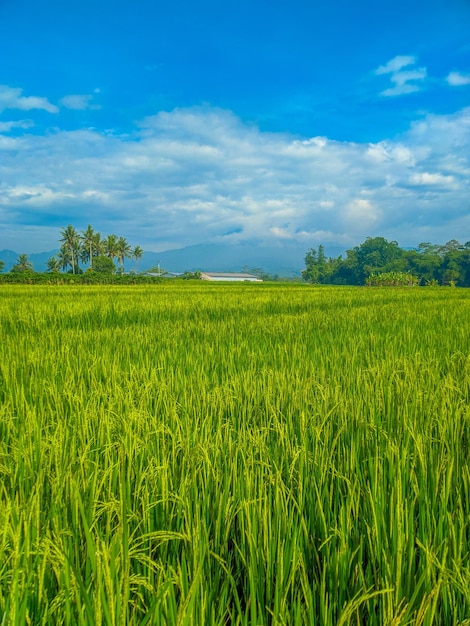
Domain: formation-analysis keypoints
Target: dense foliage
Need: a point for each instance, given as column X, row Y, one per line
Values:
column 194, row 453
column 91, row 247
column 392, row 279
column 85, row 278
column 85, row 247
column 430, row 264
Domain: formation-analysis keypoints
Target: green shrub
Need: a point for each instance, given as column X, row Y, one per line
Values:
column 392, row 279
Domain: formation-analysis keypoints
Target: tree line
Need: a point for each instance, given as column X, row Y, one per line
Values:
column 86, row 247
column 377, row 261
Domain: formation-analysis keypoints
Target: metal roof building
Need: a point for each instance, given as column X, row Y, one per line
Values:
column 237, row 277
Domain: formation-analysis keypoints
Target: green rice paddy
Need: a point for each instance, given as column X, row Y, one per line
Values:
column 199, row 454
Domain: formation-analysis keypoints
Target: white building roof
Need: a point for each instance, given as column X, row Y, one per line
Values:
column 230, row 276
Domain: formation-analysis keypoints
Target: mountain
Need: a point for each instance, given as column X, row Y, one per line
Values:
column 215, row 258
column 38, row 259
column 286, row 260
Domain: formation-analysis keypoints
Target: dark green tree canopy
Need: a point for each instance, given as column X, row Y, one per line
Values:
column 104, row 265
column 441, row 264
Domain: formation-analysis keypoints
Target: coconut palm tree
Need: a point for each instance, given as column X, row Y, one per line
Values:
column 110, row 246
column 137, row 253
column 88, row 238
column 23, row 264
column 98, row 245
column 53, row 264
column 70, row 238
column 123, row 252
column 64, row 257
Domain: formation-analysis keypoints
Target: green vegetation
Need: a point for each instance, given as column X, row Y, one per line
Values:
column 430, row 264
column 103, row 265
column 392, row 279
column 191, row 453
column 191, row 275
column 375, row 262
column 137, row 254
column 89, row 247
column 90, row 277
column 23, row 264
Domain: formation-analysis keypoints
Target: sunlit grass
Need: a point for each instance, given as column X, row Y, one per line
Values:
column 241, row 454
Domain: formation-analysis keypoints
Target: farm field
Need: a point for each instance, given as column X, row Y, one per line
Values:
column 200, row 454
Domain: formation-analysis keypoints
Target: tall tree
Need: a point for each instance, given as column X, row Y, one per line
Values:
column 376, row 254
column 423, row 262
column 137, row 253
column 98, row 245
column 53, row 264
column 448, row 263
column 123, row 252
column 110, row 246
column 88, row 239
column 70, row 239
column 311, row 273
column 2, row 265
column 318, row 268
column 64, row 257
column 450, row 246
column 455, row 265
column 23, row 264
column 104, row 265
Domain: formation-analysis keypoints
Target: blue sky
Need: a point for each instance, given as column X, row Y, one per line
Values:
column 177, row 123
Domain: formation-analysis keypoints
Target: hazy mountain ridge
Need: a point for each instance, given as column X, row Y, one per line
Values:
column 285, row 260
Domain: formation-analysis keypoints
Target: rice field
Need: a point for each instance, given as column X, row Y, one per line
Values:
column 197, row 454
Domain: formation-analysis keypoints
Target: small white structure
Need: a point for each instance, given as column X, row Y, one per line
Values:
column 233, row 277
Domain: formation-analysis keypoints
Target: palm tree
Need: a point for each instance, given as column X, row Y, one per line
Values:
column 23, row 264
column 70, row 239
column 123, row 252
column 64, row 257
column 110, row 246
column 98, row 245
column 53, row 264
column 137, row 253
column 88, row 239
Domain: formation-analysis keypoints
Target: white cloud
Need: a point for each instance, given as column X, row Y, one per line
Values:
column 37, row 195
column 360, row 212
column 425, row 178
column 396, row 64
column 280, row 233
column 78, row 102
column 6, row 127
column 404, row 81
column 457, row 79
column 403, row 84
column 11, row 98
column 199, row 175
column 388, row 152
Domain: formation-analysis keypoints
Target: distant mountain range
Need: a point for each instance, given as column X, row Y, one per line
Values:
column 287, row 260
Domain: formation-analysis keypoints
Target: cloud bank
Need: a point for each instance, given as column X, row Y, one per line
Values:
column 202, row 175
